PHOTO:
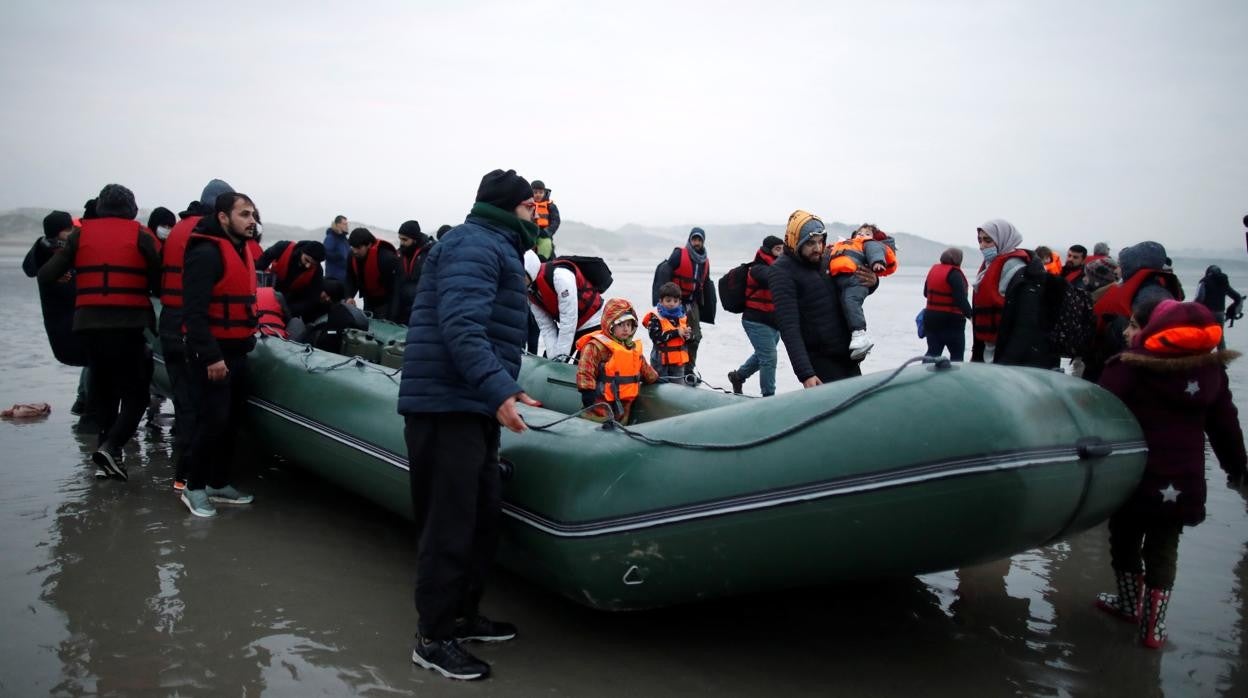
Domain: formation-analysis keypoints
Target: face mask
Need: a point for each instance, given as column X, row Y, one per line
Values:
column 990, row 254
column 162, row 231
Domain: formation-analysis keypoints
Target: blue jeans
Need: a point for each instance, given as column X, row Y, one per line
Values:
column 763, row 360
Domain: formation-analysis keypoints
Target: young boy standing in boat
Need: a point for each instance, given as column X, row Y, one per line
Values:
column 868, row 248
column 612, row 366
column 669, row 330
column 1175, row 383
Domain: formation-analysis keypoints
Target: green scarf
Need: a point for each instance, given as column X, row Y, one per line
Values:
column 525, row 229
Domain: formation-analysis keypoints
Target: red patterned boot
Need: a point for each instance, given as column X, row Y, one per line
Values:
column 1126, row 604
column 1153, row 618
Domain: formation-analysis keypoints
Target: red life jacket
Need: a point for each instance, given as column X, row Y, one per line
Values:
column 254, row 249
column 673, row 351
column 542, row 292
column 232, row 306
column 939, row 292
column 287, row 282
column 683, row 274
column 368, row 270
column 988, row 300
column 1117, row 300
column 269, row 317
column 409, row 263
column 110, row 269
column 756, row 296
column 172, row 256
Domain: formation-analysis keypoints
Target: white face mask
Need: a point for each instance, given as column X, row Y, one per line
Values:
column 162, row 231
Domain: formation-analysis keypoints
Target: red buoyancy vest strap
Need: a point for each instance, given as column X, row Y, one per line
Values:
column 111, row 269
column 269, row 315
column 232, row 306
column 683, row 273
column 588, row 300
column 673, row 352
column 409, row 263
column 172, row 257
column 541, row 213
column 255, row 250
column 368, row 279
column 1117, row 300
column 989, row 301
column 758, row 297
column 939, row 292
column 281, row 267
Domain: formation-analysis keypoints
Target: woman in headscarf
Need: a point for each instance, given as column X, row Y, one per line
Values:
column 944, row 317
column 999, row 242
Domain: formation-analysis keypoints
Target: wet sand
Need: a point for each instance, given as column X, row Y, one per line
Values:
column 113, row 589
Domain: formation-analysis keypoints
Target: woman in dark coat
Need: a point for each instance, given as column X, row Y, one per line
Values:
column 1177, row 387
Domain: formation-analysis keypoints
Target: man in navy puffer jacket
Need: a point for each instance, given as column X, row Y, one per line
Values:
column 464, row 339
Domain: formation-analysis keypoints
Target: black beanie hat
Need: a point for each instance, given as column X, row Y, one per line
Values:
column 360, row 236
column 88, row 210
column 442, row 230
column 771, row 241
column 55, row 222
column 505, row 190
column 311, row 248
column 161, row 216
column 409, row 229
column 116, row 201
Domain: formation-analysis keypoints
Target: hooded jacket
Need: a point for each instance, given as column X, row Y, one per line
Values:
column 470, row 318
column 593, row 354
column 1179, row 395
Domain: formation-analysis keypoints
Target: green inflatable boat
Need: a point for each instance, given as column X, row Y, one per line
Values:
column 708, row 494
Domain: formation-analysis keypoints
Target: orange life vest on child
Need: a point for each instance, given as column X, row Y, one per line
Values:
column 939, row 292
column 232, row 306
column 672, row 352
column 269, row 317
column 848, row 257
column 111, row 270
column 172, row 256
column 988, row 300
column 1054, row 265
column 619, row 377
column 541, row 213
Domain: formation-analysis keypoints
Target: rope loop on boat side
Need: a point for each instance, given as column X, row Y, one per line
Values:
column 357, row 361
column 841, row 406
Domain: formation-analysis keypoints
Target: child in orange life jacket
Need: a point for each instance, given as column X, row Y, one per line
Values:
column 669, row 330
column 868, row 248
column 612, row 365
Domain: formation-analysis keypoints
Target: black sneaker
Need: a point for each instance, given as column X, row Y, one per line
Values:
column 737, row 383
column 110, row 463
column 79, row 407
column 448, row 659
column 482, row 629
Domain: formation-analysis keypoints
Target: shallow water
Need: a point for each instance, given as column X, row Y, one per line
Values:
column 113, row 589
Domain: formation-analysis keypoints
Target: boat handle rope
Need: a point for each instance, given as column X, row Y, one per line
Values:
column 358, row 361
column 940, row 363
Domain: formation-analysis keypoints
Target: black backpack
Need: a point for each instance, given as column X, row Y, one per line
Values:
column 732, row 288
column 594, row 269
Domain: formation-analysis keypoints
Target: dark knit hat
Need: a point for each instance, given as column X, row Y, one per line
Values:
column 1100, row 272
column 697, row 232
column 161, row 216
column 409, row 229
column 771, row 241
column 56, row 222
column 361, row 236
column 311, row 248
column 88, row 210
column 505, row 190
column 213, row 189
column 116, row 201
column 442, row 229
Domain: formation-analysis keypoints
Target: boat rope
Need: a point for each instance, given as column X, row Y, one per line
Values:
column 358, row 361
column 941, row 363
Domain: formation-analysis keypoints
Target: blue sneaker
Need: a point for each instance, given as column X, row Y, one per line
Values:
column 228, row 495
column 197, row 502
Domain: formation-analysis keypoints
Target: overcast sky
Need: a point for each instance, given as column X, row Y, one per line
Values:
column 1076, row 121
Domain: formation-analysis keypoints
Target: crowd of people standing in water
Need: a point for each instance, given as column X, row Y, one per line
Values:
column 476, row 295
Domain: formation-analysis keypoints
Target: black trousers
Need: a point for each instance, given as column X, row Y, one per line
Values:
column 945, row 331
column 456, row 497
column 1139, row 543
column 834, row 368
column 220, row 407
column 183, row 406
column 118, row 378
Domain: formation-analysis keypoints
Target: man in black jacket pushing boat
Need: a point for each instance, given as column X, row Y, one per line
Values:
column 465, row 336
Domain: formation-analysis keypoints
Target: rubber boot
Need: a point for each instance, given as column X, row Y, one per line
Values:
column 1153, row 618
column 1126, row 604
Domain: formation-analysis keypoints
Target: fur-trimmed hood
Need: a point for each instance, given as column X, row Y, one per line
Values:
column 1176, row 363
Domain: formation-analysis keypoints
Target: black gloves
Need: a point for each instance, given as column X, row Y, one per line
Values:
column 588, row 397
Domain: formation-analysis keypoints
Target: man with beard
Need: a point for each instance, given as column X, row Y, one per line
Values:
column 413, row 246
column 219, row 289
column 296, row 268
